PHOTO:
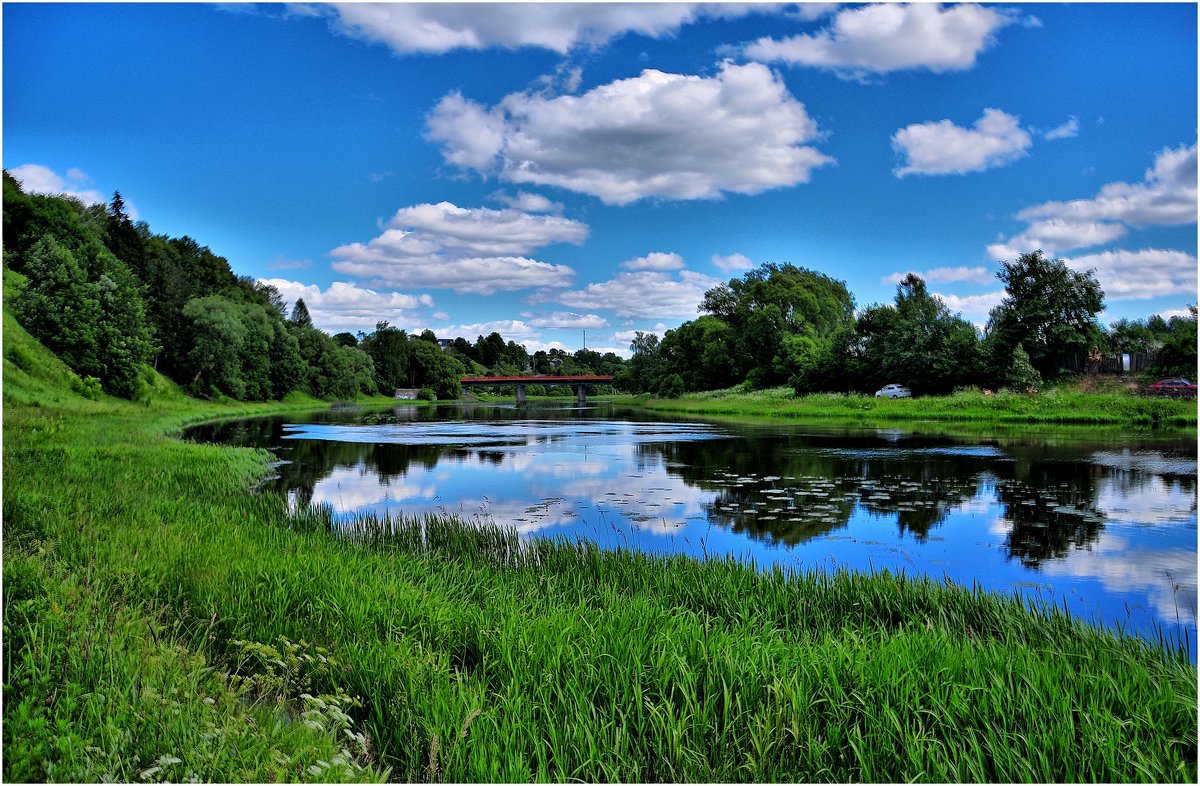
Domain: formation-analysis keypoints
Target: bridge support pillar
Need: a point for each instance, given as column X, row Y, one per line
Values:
column 581, row 394
column 520, row 394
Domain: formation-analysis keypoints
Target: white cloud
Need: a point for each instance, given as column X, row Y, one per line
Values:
column 485, row 231
column 654, row 135
column 1170, row 313
column 643, row 294
column 627, row 336
column 1067, row 130
column 530, row 203
column 38, row 179
column 473, row 275
column 655, row 260
column 564, row 320
column 948, row 275
column 469, row 250
column 509, row 328
column 891, row 37
column 971, row 305
column 732, row 263
column 1133, row 275
column 941, row 148
column 442, row 27
column 1166, row 196
column 542, row 346
column 1055, row 234
column 345, row 306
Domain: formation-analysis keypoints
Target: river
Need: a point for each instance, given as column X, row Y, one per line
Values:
column 1101, row 522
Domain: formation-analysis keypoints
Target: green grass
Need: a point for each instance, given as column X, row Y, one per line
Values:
column 143, row 579
column 1060, row 405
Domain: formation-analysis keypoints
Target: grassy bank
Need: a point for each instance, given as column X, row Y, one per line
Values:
column 1062, row 405
column 162, row 623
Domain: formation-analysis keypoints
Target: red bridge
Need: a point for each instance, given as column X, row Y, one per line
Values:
column 578, row 381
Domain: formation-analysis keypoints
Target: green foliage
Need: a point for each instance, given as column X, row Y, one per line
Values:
column 787, row 322
column 671, row 386
column 1177, row 356
column 916, row 342
column 1019, row 374
column 388, row 348
column 426, row 394
column 87, row 310
column 88, row 387
column 1049, row 309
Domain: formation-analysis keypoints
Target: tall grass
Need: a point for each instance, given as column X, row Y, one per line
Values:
column 142, row 579
column 1057, row 405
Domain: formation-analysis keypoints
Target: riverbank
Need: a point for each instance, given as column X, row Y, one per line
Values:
column 158, row 617
column 1063, row 405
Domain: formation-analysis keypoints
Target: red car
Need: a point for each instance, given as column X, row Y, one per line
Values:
column 1173, row 386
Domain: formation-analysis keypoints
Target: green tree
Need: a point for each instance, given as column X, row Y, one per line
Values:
column 1048, row 309
column 217, row 333
column 917, row 342
column 430, row 367
column 300, row 316
column 389, row 350
column 787, row 321
column 1177, row 356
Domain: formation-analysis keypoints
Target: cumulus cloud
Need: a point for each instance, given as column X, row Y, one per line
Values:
column 977, row 306
column 1065, row 131
column 38, row 179
column 879, row 39
column 566, row 320
column 509, row 328
column 654, row 135
column 1055, row 234
column 530, row 203
column 560, row 27
column 1165, row 196
column 645, row 294
column 1135, row 275
column 469, row 250
column 942, row 148
column 732, row 263
column 948, row 275
column 655, row 260
column 346, row 306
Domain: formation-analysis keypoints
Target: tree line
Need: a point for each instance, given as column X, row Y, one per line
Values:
column 110, row 297
column 785, row 325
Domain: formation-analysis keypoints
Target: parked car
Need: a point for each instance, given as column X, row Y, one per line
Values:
column 1172, row 386
column 893, row 391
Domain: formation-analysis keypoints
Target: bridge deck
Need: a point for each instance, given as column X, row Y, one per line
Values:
column 592, row 379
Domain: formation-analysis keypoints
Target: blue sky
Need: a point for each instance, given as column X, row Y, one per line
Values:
column 542, row 169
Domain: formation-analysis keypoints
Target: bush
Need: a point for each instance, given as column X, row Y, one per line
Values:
column 426, row 394
column 88, row 387
column 671, row 387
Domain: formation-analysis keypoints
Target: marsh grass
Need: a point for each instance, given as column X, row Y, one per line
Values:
column 142, row 578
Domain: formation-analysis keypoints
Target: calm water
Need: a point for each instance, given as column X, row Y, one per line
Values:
column 1102, row 523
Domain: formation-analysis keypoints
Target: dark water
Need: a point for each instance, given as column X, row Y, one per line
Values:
column 1101, row 522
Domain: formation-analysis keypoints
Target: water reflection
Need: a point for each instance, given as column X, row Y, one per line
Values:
column 1105, row 524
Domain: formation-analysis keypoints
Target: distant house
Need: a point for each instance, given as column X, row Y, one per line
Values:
column 407, row 394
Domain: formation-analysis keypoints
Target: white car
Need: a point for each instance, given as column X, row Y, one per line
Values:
column 893, row 391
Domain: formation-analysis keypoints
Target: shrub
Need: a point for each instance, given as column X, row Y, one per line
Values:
column 426, row 394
